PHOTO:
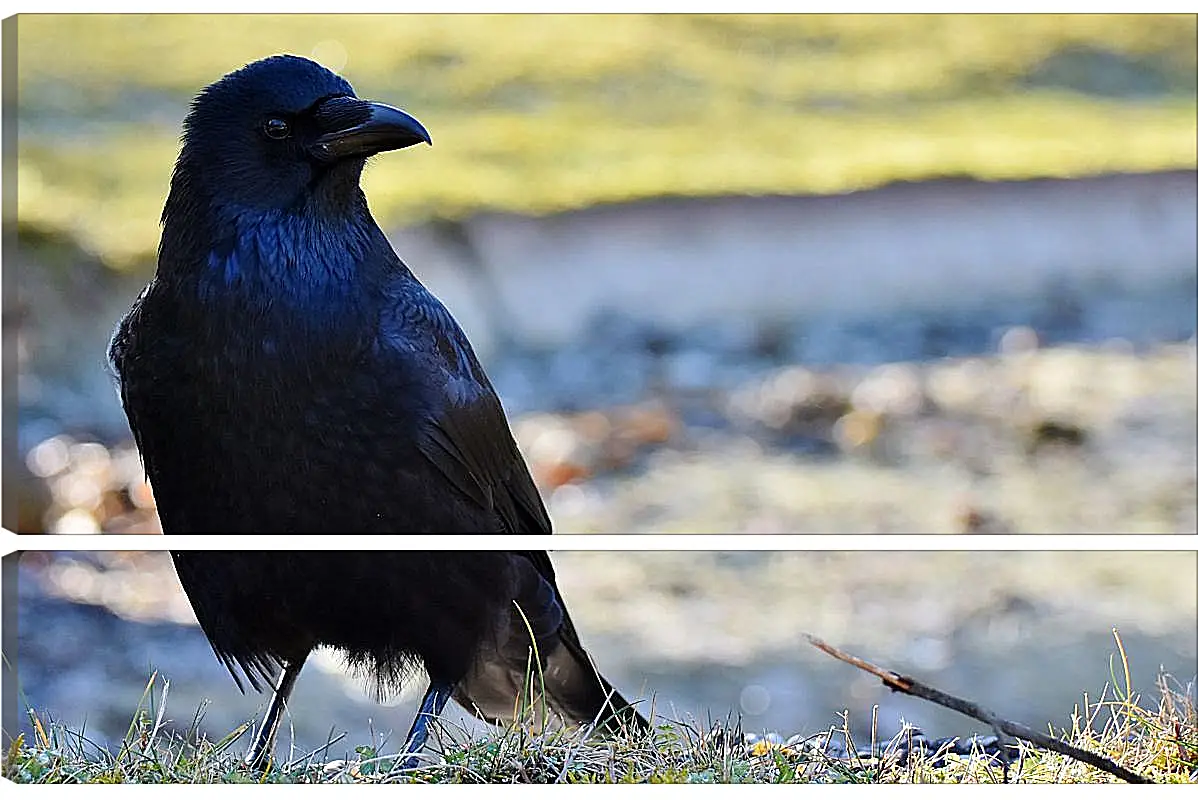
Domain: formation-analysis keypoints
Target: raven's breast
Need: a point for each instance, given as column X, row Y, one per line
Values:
column 259, row 431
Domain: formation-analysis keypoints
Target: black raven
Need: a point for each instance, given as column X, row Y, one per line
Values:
column 285, row 372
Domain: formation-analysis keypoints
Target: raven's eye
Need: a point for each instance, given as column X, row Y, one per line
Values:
column 276, row 128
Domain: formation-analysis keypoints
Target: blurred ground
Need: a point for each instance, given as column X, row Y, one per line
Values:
column 1060, row 440
column 708, row 634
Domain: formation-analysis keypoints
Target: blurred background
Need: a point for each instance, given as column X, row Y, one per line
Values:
column 709, row 636
column 849, row 274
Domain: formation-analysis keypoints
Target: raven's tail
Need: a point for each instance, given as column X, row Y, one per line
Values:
column 578, row 691
column 538, row 662
column 498, row 689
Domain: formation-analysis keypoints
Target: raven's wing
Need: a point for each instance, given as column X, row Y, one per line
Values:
column 471, row 445
column 468, row 440
column 465, row 434
column 147, row 356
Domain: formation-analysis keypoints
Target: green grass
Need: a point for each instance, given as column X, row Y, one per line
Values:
column 1160, row 743
column 537, row 114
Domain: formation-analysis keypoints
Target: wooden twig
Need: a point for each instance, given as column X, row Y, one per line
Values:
column 909, row 685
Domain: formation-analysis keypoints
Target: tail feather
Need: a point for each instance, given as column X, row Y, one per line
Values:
column 505, row 675
column 578, row 691
column 566, row 681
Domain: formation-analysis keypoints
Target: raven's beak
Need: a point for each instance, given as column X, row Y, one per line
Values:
column 357, row 128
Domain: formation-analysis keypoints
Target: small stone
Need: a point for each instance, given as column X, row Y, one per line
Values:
column 1019, row 339
column 890, row 389
column 857, row 429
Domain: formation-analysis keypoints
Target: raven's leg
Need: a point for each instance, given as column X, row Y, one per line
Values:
column 431, row 706
column 264, row 743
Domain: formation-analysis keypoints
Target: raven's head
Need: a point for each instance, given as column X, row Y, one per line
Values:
column 284, row 132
